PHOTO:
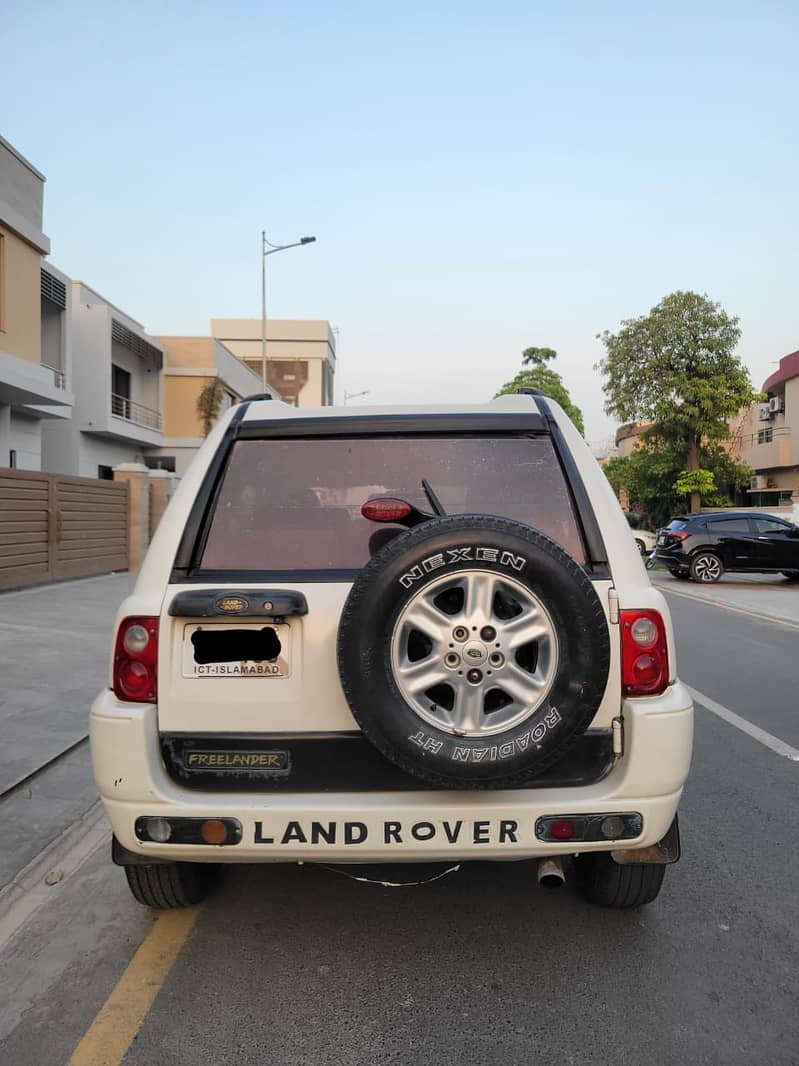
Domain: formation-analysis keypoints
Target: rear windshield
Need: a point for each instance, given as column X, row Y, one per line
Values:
column 677, row 523
column 296, row 504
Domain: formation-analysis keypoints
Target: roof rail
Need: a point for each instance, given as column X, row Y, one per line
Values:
column 526, row 390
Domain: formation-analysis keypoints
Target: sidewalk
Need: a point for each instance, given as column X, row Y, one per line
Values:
column 767, row 596
column 55, row 650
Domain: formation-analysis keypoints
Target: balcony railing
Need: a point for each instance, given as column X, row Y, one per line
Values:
column 137, row 413
column 58, row 375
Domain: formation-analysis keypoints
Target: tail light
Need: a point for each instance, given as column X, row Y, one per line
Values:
column 644, row 653
column 680, row 535
column 136, row 660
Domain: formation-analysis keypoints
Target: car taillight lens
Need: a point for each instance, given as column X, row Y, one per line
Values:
column 679, row 536
column 136, row 660
column 644, row 653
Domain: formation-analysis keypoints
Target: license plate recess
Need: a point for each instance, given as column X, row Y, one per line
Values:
column 236, row 649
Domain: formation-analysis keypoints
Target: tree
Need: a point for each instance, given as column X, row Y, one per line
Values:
column 535, row 374
column 676, row 368
column 652, row 476
column 209, row 403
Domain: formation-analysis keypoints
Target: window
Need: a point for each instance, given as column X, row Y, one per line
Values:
column 676, row 524
column 105, row 473
column 764, row 436
column 296, row 505
column 12, row 458
column 120, row 392
column 771, row 525
column 729, row 525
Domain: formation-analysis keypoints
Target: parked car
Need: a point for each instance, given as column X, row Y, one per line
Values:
column 645, row 540
column 703, row 546
column 393, row 635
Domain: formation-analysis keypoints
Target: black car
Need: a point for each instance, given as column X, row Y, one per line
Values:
column 703, row 546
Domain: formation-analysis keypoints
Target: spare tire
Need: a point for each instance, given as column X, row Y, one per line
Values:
column 473, row 651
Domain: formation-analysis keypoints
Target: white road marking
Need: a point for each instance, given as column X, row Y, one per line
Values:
column 754, row 731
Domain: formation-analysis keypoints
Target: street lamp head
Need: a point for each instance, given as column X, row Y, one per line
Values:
column 307, row 240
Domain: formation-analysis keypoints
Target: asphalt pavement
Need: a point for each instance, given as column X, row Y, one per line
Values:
column 300, row 964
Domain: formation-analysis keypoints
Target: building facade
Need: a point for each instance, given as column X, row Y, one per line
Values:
column 34, row 388
column 301, row 355
column 192, row 364
column 767, row 438
column 115, row 367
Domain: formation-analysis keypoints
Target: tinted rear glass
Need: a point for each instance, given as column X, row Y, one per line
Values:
column 296, row 505
column 729, row 525
column 676, row 524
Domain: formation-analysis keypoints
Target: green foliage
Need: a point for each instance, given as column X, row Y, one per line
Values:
column 676, row 367
column 651, row 474
column 535, row 374
column 701, row 481
column 209, row 403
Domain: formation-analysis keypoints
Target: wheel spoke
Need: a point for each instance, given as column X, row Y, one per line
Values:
column 427, row 618
column 478, row 598
column 422, row 675
column 467, row 712
column 522, row 687
column 523, row 629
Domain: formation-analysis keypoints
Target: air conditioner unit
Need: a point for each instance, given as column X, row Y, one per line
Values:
column 775, row 404
column 765, row 414
column 759, row 481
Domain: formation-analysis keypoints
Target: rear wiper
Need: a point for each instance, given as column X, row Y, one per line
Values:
column 432, row 499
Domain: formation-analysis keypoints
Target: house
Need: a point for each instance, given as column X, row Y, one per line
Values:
column 301, row 355
column 115, row 368
column 34, row 386
column 767, row 438
column 191, row 363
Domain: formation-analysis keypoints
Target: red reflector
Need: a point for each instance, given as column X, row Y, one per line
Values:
column 386, row 510
column 136, row 672
column 644, row 673
column 562, row 829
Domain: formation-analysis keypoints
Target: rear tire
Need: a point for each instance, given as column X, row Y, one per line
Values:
column 641, row 546
column 166, row 886
column 609, row 884
column 706, row 568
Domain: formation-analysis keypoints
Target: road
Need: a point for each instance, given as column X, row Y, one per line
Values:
column 295, row 965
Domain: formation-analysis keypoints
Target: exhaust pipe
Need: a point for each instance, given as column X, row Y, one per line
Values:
column 550, row 873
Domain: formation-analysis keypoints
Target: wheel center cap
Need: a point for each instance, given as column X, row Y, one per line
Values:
column 474, row 653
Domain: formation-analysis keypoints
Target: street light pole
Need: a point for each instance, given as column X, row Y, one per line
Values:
column 270, row 249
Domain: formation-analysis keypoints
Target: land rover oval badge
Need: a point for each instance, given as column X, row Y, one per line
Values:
column 232, row 604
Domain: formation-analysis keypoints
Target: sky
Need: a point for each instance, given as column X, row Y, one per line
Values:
column 480, row 178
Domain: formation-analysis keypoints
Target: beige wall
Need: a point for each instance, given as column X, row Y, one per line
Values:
column 21, row 332
column 180, row 406
column 196, row 352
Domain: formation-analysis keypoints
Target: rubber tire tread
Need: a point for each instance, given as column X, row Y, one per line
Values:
column 167, row 886
column 609, row 884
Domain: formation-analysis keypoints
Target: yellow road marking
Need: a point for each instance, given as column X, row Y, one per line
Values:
column 121, row 1016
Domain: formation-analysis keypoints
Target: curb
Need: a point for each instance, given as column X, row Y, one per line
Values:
column 28, row 891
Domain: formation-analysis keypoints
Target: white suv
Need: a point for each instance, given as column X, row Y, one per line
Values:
column 393, row 635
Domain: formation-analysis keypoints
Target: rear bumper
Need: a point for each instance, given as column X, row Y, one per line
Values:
column 278, row 827
column 673, row 557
